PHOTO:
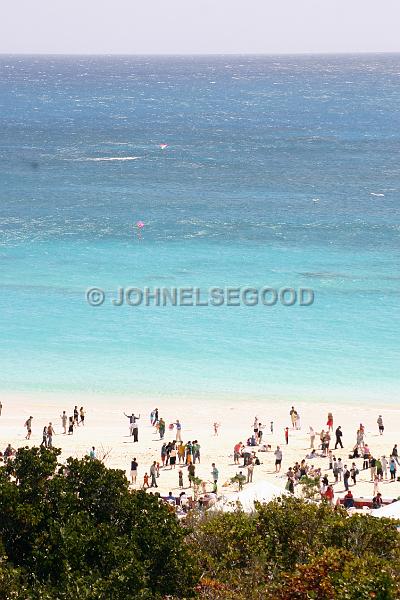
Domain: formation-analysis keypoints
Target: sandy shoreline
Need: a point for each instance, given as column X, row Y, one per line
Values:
column 107, row 429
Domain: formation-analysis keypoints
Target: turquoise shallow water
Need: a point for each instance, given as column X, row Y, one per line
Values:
column 280, row 171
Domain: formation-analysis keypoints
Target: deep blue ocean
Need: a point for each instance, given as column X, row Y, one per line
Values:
column 280, row 171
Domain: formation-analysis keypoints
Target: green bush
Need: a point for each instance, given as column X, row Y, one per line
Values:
column 76, row 531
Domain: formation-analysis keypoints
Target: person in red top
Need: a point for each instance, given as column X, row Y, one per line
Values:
column 330, row 422
column 287, row 435
column 329, row 494
column 236, row 452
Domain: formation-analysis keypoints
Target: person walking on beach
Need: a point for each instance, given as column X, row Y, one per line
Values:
column 338, row 434
column 82, row 416
column 145, row 481
column 180, row 478
column 153, row 474
column 28, row 425
column 216, row 427
column 278, row 459
column 1, row 407
column 134, row 469
column 44, row 437
column 76, row 416
column 71, row 426
column 50, row 433
column 380, row 425
column 155, row 416
column 395, row 454
column 64, row 420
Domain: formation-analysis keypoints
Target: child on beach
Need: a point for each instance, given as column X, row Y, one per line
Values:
column 180, row 478
column 145, row 481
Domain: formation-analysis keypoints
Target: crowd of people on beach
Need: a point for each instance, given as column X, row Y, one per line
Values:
column 68, row 424
column 332, row 475
column 342, row 471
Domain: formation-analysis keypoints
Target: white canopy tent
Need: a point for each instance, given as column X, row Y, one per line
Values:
column 390, row 511
column 262, row 491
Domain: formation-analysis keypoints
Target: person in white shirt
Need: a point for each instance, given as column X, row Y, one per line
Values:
column 278, row 459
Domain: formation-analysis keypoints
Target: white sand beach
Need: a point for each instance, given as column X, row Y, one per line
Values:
column 107, row 429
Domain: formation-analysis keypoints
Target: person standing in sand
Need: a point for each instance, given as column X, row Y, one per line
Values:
column 380, row 425
column 178, row 431
column 64, row 420
column 214, row 475
column 50, row 433
column 1, row 407
column 287, row 435
column 134, row 468
column 44, row 437
column 153, row 474
column 216, row 427
column 82, row 416
column 250, row 469
column 28, row 425
column 278, row 459
column 312, row 437
column 298, row 422
column 384, row 463
column 395, row 454
column 76, row 416
column 293, row 416
column 161, row 428
column 329, row 422
column 133, row 425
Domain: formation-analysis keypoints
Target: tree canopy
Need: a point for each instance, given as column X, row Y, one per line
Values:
column 75, row 530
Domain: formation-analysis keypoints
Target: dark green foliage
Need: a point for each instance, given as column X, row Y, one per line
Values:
column 75, row 531
column 260, row 555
